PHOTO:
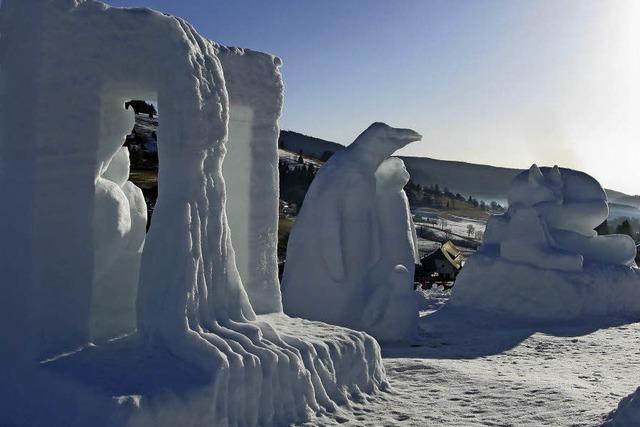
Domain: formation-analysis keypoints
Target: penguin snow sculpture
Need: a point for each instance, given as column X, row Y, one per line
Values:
column 335, row 242
column 397, row 230
column 392, row 311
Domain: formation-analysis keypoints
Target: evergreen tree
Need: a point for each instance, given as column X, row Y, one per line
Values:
column 625, row 228
column 603, row 229
column 326, row 155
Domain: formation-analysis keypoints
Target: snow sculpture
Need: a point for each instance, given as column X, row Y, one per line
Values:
column 397, row 230
column 119, row 229
column 250, row 170
column 71, row 224
column 543, row 256
column 392, row 313
column 335, row 243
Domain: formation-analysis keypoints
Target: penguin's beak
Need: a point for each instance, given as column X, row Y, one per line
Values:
column 405, row 136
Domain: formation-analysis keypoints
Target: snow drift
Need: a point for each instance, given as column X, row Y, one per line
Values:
column 543, row 260
column 72, row 225
column 339, row 269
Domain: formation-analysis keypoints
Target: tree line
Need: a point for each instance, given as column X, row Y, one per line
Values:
column 435, row 197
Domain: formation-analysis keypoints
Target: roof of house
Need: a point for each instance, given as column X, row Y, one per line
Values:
column 447, row 251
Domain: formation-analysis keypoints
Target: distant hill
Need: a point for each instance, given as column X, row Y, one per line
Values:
column 480, row 181
column 623, row 199
column 310, row 146
column 483, row 182
column 488, row 183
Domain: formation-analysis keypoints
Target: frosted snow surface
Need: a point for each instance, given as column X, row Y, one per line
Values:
column 119, row 230
column 487, row 371
column 543, row 257
column 250, row 170
column 392, row 313
column 74, row 227
column 352, row 247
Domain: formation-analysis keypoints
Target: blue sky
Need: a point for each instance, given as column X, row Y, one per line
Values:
column 505, row 82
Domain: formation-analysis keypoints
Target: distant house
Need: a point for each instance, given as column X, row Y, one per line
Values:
column 441, row 266
column 288, row 209
column 141, row 107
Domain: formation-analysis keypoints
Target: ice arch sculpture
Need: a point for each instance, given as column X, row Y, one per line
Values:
column 335, row 243
column 200, row 355
column 543, row 257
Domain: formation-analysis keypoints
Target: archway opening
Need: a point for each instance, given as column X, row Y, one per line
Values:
column 126, row 193
column 142, row 144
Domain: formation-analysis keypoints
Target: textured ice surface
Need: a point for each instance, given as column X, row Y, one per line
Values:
column 250, row 170
column 543, row 259
column 336, row 269
column 72, row 230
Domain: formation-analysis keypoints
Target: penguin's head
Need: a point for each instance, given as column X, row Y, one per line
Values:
column 380, row 136
column 392, row 174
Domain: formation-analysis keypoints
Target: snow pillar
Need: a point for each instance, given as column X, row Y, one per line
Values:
column 250, row 170
column 17, row 172
column 46, row 204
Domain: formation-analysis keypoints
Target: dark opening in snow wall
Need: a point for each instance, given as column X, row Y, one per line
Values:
column 142, row 144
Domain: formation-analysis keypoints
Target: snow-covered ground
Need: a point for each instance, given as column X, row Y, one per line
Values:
column 444, row 226
column 291, row 159
column 469, row 371
column 442, row 221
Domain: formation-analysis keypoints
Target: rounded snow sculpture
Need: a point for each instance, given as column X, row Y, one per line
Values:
column 392, row 313
column 542, row 259
column 336, row 245
column 119, row 229
column 72, row 223
column 397, row 230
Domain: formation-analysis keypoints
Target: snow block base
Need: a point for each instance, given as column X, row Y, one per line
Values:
column 502, row 287
column 347, row 362
column 127, row 383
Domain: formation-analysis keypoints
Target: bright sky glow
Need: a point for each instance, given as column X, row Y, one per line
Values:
column 499, row 82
